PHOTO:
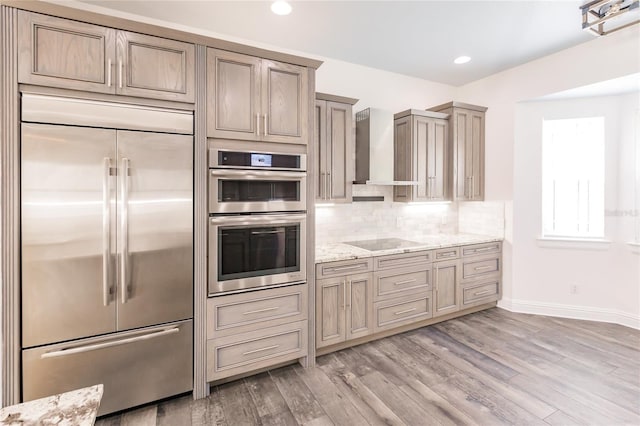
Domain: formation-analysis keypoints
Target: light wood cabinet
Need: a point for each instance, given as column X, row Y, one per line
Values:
column 446, row 287
column 467, row 138
column 57, row 52
column 333, row 144
column 481, row 273
column 422, row 150
column 344, row 308
column 256, row 99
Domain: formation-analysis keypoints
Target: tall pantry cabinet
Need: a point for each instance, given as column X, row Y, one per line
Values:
column 466, row 135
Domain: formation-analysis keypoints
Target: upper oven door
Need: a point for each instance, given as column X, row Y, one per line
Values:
column 256, row 191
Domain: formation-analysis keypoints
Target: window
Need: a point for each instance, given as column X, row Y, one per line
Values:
column 573, row 178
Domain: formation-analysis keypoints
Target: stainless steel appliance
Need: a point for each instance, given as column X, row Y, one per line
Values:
column 254, row 182
column 107, row 249
column 247, row 251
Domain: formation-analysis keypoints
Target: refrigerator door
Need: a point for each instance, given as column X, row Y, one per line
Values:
column 68, row 255
column 155, row 228
column 135, row 367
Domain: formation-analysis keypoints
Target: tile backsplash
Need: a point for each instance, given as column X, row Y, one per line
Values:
column 381, row 219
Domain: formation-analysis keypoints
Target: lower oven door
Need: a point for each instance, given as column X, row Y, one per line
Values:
column 244, row 191
column 255, row 251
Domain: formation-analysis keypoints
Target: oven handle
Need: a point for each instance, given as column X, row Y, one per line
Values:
column 257, row 219
column 250, row 174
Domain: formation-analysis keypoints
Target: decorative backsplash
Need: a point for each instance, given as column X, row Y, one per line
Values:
column 383, row 219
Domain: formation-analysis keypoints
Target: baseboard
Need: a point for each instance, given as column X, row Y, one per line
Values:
column 571, row 311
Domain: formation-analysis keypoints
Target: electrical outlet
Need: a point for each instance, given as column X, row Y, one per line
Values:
column 573, row 289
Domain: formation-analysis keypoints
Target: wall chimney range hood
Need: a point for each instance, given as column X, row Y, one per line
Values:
column 374, row 148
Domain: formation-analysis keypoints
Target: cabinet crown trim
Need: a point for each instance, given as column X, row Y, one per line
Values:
column 421, row 113
column 456, row 104
column 335, row 98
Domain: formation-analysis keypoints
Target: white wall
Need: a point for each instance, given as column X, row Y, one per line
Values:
column 600, row 59
column 607, row 276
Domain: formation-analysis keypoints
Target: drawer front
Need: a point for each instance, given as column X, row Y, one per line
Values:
column 389, row 284
column 402, row 260
column 343, row 267
column 447, row 253
column 480, row 267
column 485, row 248
column 237, row 354
column 478, row 294
column 399, row 312
column 239, row 313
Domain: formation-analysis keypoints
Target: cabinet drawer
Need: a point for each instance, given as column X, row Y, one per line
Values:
column 397, row 312
column 239, row 313
column 478, row 294
column 399, row 282
column 447, row 253
column 343, row 267
column 480, row 267
column 237, row 354
column 485, row 248
column 402, row 260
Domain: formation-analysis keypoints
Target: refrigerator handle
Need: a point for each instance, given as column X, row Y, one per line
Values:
column 88, row 348
column 106, row 235
column 124, row 229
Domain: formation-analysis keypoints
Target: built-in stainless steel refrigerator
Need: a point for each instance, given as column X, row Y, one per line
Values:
column 107, row 249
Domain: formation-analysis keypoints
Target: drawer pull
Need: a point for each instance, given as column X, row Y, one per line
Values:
column 482, row 268
column 346, row 268
column 406, row 311
column 259, row 311
column 448, row 254
column 268, row 348
column 480, row 293
column 405, row 282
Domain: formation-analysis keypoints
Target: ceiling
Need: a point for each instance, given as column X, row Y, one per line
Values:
column 415, row 38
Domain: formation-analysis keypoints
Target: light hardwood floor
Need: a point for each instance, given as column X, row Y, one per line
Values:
column 488, row 368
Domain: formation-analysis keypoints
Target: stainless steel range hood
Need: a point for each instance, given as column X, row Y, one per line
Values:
column 374, row 148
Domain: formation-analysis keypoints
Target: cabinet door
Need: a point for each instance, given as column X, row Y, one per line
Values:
column 446, row 297
column 68, row 54
column 233, row 95
column 359, row 306
column 330, row 311
column 437, row 161
column 320, row 150
column 422, row 139
column 403, row 155
column 339, row 153
column 284, row 102
column 468, row 145
column 154, row 67
column 474, row 160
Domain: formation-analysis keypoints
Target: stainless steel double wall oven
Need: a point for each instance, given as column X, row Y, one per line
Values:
column 257, row 219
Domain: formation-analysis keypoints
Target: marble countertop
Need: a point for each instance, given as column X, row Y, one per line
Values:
column 74, row 408
column 341, row 251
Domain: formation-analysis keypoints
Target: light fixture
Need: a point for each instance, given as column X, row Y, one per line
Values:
column 598, row 12
column 461, row 60
column 281, row 7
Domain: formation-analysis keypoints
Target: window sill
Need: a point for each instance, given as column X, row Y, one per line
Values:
column 574, row 243
column 634, row 247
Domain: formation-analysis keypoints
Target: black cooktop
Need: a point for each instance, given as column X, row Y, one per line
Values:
column 383, row 244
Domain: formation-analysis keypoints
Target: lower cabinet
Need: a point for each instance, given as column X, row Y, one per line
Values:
column 446, row 287
column 405, row 310
column 254, row 330
column 344, row 308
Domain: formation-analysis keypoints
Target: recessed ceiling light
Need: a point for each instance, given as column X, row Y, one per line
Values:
column 461, row 60
column 281, row 7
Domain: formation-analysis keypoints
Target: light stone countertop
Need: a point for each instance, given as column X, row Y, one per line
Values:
column 74, row 408
column 341, row 251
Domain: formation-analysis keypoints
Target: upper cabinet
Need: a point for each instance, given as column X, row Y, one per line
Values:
column 422, row 153
column 466, row 133
column 61, row 53
column 256, row 99
column 333, row 144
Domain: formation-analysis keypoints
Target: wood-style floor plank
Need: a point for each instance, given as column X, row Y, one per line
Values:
column 493, row 367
